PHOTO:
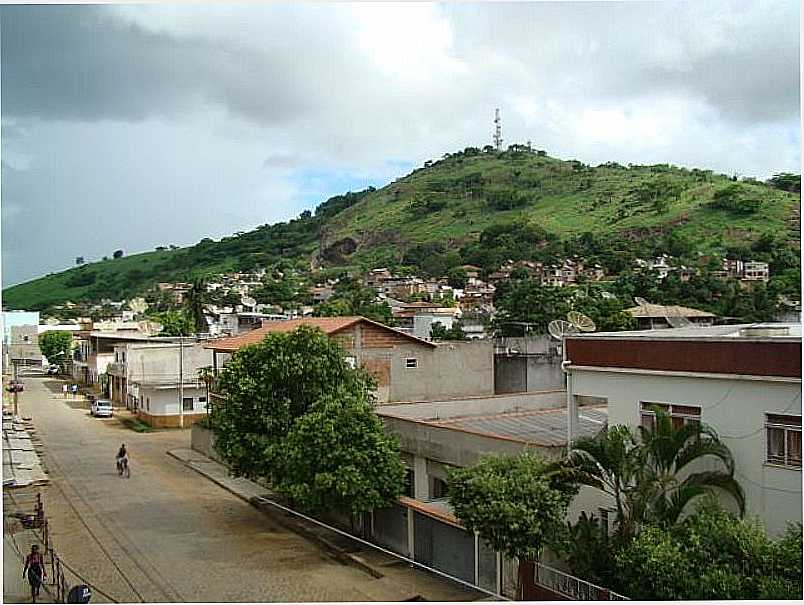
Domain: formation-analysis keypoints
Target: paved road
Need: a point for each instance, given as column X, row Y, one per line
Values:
column 166, row 534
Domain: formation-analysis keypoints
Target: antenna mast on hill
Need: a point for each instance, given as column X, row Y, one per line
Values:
column 497, row 130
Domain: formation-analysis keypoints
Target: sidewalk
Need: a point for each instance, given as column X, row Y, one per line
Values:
column 15, row 588
column 395, row 580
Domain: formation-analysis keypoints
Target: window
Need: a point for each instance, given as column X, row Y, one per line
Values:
column 438, row 488
column 784, row 439
column 187, row 404
column 411, row 362
column 679, row 414
column 202, row 400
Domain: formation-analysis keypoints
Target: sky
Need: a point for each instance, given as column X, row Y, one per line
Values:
column 134, row 126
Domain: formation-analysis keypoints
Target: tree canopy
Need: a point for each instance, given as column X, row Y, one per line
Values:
column 298, row 414
column 56, row 346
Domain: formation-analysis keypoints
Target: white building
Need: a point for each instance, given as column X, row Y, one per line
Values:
column 145, row 378
column 743, row 381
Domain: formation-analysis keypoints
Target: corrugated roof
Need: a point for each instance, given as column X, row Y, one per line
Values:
column 651, row 310
column 328, row 325
column 540, row 427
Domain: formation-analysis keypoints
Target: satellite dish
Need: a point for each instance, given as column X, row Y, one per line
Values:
column 248, row 301
column 138, row 305
column 786, row 301
column 558, row 328
column 581, row 322
column 678, row 321
column 640, row 301
column 155, row 327
column 52, row 321
column 606, row 294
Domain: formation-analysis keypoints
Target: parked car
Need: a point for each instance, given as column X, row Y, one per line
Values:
column 53, row 370
column 15, row 386
column 101, row 407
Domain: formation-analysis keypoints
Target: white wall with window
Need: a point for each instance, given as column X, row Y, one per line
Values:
column 758, row 418
column 164, row 401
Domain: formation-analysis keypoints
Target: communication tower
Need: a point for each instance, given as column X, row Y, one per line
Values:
column 497, row 130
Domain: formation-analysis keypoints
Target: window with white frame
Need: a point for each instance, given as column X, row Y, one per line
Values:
column 783, row 434
column 187, row 404
column 679, row 414
column 411, row 362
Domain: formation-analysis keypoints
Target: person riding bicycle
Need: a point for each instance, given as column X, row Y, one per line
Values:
column 35, row 570
column 122, row 456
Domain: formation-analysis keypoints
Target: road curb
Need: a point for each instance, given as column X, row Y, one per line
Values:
column 286, row 521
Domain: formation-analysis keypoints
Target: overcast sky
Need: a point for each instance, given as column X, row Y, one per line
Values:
column 137, row 126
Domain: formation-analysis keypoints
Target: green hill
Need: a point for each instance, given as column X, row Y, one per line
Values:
column 479, row 207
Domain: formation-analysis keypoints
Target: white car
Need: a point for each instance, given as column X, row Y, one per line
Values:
column 102, row 407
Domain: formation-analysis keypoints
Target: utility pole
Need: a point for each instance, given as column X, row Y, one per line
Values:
column 181, row 382
column 15, row 375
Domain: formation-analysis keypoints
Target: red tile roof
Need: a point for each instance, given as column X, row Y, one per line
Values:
column 328, row 325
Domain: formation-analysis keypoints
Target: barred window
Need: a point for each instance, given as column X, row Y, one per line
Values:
column 783, row 434
column 679, row 414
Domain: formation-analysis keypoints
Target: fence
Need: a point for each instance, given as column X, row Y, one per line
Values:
column 61, row 577
column 571, row 588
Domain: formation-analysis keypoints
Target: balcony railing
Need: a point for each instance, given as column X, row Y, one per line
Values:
column 574, row 589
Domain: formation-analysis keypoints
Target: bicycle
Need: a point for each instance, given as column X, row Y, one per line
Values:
column 123, row 468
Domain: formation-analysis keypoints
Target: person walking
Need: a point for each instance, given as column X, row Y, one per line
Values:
column 35, row 570
column 75, row 390
column 64, row 389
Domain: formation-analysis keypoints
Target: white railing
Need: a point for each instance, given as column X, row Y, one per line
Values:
column 570, row 586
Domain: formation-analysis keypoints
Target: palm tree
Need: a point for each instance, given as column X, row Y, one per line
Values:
column 651, row 479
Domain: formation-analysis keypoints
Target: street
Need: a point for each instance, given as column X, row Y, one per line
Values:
column 166, row 534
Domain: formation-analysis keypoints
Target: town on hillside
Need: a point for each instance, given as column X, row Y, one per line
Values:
column 379, row 302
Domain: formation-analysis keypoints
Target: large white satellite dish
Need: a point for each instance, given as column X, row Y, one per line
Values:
column 558, row 328
column 606, row 294
column 581, row 322
column 678, row 321
column 248, row 301
column 640, row 301
column 52, row 321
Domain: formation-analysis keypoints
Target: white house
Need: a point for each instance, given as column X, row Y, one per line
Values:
column 743, row 381
column 145, row 378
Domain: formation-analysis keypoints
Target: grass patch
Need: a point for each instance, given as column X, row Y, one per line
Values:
column 136, row 425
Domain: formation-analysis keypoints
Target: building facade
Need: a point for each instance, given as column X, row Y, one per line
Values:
column 743, row 381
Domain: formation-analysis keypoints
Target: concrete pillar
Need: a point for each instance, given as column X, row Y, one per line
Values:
column 411, row 536
column 572, row 413
column 421, row 482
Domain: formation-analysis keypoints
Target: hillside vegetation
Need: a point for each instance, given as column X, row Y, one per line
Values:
column 480, row 207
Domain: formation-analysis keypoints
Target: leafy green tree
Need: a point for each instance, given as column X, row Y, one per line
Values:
column 174, row 323
column 786, row 181
column 352, row 298
column 735, row 198
column 56, row 346
column 516, row 504
column 650, row 479
column 268, row 386
column 710, row 555
column 529, row 301
column 439, row 332
column 337, row 457
column 194, row 305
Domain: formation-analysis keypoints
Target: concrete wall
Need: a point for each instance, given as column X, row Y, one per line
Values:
column 452, row 369
column 476, row 406
column 203, row 440
column 735, row 408
column 529, row 363
column 159, row 401
column 452, row 447
column 24, row 344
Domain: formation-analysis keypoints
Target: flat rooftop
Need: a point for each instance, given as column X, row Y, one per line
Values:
column 546, row 428
column 773, row 332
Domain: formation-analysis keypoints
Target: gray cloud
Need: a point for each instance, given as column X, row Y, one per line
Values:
column 164, row 124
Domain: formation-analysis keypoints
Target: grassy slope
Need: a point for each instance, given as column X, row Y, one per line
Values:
column 565, row 198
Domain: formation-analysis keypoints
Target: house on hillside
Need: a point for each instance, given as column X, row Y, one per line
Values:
column 742, row 380
column 651, row 317
column 406, row 368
